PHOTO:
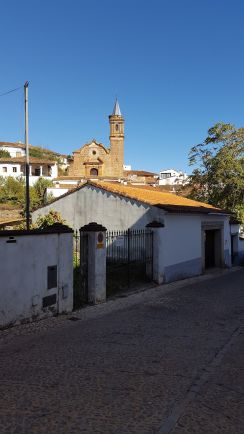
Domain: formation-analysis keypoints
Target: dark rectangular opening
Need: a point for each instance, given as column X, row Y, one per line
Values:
column 210, row 248
column 49, row 300
column 52, row 277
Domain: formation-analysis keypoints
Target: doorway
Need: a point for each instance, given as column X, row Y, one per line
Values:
column 212, row 248
column 94, row 172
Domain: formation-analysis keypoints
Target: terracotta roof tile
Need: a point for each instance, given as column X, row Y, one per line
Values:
column 151, row 196
column 33, row 160
column 139, row 173
column 12, row 145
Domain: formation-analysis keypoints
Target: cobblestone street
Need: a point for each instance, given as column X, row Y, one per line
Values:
column 166, row 360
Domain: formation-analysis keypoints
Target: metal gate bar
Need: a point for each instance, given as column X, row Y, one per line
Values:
column 129, row 258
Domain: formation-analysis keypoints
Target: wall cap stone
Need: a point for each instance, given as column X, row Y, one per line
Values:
column 155, row 224
column 93, row 227
column 56, row 228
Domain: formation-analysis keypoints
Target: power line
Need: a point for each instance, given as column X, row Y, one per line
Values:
column 10, row 91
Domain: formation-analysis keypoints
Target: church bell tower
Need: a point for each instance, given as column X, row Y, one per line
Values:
column 117, row 122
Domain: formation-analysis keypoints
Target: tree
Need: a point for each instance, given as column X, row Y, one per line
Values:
column 219, row 177
column 4, row 154
column 12, row 191
column 48, row 220
column 40, row 187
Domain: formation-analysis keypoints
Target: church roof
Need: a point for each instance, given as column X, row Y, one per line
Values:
column 116, row 110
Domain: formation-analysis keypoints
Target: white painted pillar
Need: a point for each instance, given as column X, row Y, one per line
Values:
column 30, row 173
column 158, row 245
column 40, row 170
column 96, row 262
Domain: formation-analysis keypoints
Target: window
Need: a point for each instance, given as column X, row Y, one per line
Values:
column 5, row 169
column 166, row 175
column 94, row 152
column 37, row 171
column 14, row 169
column 52, row 276
column 94, row 172
column 117, row 127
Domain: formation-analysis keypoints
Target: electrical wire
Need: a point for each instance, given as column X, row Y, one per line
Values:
column 10, row 91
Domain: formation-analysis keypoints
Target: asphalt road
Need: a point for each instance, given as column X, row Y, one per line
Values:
column 154, row 362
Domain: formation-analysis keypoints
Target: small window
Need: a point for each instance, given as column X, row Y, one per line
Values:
column 14, row 169
column 5, row 169
column 52, row 277
column 94, row 152
column 117, row 127
column 37, row 171
column 94, row 172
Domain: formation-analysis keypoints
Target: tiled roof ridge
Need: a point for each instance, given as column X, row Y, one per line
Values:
column 23, row 146
column 15, row 160
column 188, row 205
column 120, row 189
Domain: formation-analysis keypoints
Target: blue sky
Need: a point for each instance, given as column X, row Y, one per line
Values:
column 177, row 67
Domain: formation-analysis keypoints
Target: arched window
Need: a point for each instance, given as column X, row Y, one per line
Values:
column 94, row 172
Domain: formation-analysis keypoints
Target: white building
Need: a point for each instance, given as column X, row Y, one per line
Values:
column 15, row 167
column 172, row 177
column 193, row 235
column 14, row 149
column 126, row 167
column 18, row 149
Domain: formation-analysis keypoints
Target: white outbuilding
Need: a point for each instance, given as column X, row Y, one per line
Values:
column 192, row 236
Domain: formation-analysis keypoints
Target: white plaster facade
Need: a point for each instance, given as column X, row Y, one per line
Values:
column 24, row 262
column 172, row 177
column 56, row 191
column 17, row 170
column 127, row 167
column 14, row 151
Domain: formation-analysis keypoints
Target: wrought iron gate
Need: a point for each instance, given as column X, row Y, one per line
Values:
column 129, row 259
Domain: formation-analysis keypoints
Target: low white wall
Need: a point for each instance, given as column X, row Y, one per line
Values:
column 56, row 192
column 24, row 262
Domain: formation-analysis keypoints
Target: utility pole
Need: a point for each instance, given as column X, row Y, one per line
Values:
column 27, row 163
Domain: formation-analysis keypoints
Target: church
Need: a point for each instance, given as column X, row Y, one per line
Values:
column 94, row 159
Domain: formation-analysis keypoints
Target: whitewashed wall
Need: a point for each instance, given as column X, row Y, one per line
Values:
column 10, row 172
column 181, row 249
column 56, row 192
column 111, row 210
column 23, row 275
column 14, row 151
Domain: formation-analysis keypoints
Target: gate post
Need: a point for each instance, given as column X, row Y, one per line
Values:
column 96, row 262
column 158, row 266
